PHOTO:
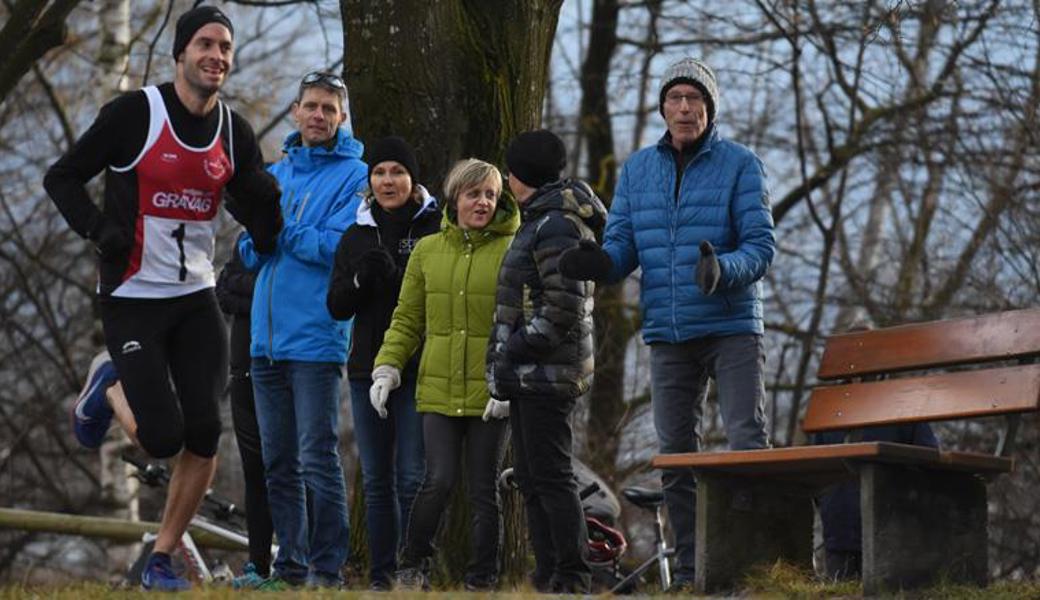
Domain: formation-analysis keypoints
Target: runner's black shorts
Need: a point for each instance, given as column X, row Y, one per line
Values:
column 172, row 358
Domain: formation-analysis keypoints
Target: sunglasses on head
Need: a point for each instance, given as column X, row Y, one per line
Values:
column 322, row 78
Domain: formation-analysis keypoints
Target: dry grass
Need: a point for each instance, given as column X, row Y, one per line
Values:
column 779, row 581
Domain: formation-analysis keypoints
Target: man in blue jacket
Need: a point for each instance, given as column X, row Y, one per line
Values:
column 692, row 211
column 297, row 349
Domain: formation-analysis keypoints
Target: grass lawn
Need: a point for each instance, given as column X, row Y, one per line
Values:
column 779, row 581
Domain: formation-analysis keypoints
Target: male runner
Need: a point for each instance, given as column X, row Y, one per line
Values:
column 168, row 153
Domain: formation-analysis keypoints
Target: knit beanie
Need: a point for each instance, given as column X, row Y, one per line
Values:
column 395, row 149
column 192, row 21
column 536, row 157
column 697, row 74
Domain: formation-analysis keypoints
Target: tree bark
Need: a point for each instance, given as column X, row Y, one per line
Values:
column 455, row 78
column 31, row 30
column 606, row 401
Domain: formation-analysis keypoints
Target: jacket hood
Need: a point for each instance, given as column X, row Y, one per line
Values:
column 364, row 211
column 570, row 195
column 505, row 222
column 345, row 146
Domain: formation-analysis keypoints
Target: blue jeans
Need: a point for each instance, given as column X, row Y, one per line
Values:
column 392, row 467
column 297, row 409
column 679, row 376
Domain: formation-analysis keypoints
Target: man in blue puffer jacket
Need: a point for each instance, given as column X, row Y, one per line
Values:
column 297, row 349
column 693, row 212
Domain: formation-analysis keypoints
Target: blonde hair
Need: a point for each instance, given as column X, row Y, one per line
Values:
column 467, row 173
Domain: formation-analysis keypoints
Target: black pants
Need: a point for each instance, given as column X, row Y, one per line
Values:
column 172, row 358
column 543, row 470
column 484, row 443
column 247, row 434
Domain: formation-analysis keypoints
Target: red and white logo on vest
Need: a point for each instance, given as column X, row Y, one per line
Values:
column 215, row 166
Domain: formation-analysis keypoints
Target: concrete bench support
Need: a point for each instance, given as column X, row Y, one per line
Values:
column 741, row 524
column 921, row 527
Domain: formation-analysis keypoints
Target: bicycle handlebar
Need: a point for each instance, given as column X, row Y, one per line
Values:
column 154, row 475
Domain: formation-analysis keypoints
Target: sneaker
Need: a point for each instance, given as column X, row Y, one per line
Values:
column 323, row 581
column 91, row 414
column 381, row 585
column 411, row 579
column 158, row 575
column 480, row 584
column 274, row 583
column 250, row 579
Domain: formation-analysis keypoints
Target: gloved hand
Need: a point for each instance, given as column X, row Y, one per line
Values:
column 265, row 230
column 109, row 239
column 496, row 409
column 374, row 264
column 586, row 261
column 708, row 270
column 517, row 349
column 385, row 378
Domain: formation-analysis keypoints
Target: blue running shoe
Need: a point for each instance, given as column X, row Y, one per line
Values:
column 250, row 579
column 91, row 415
column 158, row 575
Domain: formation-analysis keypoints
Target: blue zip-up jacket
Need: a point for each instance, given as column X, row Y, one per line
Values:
column 658, row 226
column 320, row 195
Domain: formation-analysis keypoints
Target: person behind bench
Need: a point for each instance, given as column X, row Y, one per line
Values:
column 839, row 506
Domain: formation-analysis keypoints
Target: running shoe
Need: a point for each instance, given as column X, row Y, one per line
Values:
column 158, row 575
column 91, row 414
column 249, row 579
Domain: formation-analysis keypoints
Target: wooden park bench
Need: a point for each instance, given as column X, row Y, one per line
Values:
column 923, row 509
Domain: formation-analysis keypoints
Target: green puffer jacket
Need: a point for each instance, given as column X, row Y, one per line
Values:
column 448, row 299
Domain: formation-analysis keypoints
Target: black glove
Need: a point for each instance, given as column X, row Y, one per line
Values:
column 375, row 264
column 586, row 261
column 517, row 349
column 264, row 230
column 110, row 240
column 708, row 270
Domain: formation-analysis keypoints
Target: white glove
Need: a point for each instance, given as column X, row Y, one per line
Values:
column 496, row 409
column 385, row 378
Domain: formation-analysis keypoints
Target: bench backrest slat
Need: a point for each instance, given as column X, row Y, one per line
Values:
column 959, row 395
column 1012, row 334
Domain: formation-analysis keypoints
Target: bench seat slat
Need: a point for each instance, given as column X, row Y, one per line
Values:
column 822, row 463
column 1005, row 335
column 960, row 395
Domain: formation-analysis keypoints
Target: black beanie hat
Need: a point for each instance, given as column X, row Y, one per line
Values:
column 536, row 157
column 395, row 149
column 192, row 21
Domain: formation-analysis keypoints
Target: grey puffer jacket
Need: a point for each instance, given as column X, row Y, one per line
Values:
column 541, row 344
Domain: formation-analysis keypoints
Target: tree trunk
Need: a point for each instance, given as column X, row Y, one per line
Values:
column 455, row 79
column 32, row 28
column 606, row 402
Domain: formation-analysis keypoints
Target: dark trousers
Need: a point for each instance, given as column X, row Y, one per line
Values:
column 542, row 467
column 247, row 434
column 446, row 439
column 172, row 358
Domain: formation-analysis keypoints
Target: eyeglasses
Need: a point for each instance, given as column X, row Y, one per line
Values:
column 676, row 99
column 322, row 78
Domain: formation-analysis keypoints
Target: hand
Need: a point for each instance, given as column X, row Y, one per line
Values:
column 265, row 230
column 516, row 347
column 385, row 378
column 586, row 261
column 110, row 240
column 496, row 409
column 375, row 264
column 708, row 270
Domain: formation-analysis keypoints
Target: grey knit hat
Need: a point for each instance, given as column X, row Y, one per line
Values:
column 692, row 71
